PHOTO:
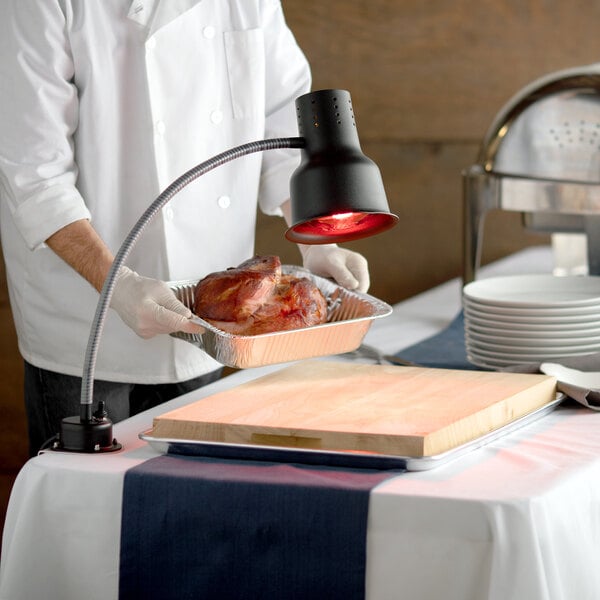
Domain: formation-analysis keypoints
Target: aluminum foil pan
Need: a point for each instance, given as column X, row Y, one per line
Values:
column 349, row 316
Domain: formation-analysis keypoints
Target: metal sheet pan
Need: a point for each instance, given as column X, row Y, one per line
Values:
column 346, row 459
column 349, row 317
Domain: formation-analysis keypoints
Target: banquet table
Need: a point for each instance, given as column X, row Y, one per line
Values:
column 516, row 519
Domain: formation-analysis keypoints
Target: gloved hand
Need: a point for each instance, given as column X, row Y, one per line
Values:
column 348, row 268
column 149, row 306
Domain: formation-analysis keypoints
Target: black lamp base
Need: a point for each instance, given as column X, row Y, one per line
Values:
column 93, row 435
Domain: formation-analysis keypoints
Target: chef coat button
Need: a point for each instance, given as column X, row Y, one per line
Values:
column 160, row 127
column 216, row 116
column 209, row 32
column 169, row 213
column 151, row 43
column 224, row 201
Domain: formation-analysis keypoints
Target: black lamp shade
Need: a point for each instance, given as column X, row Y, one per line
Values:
column 337, row 192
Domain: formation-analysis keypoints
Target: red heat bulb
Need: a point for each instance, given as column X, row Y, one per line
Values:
column 341, row 227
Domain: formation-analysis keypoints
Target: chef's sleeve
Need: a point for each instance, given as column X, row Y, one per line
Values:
column 38, row 117
column 288, row 76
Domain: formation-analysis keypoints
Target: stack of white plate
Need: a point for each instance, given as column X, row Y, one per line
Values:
column 531, row 318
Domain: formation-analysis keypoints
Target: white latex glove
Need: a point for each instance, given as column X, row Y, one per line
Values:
column 149, row 306
column 348, row 268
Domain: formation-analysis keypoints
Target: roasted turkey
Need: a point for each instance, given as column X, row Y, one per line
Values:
column 256, row 297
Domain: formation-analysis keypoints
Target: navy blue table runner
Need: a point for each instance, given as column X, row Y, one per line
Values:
column 206, row 528
column 445, row 350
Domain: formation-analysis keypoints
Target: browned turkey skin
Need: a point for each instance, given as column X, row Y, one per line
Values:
column 255, row 297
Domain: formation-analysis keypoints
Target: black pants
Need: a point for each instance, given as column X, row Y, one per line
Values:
column 50, row 396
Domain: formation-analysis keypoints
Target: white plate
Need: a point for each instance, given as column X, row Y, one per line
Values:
column 535, row 291
column 516, row 357
column 590, row 310
column 530, row 342
column 540, row 324
column 532, row 348
column 489, row 363
column 592, row 319
column 538, row 333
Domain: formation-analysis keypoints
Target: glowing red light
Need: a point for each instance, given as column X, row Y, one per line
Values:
column 341, row 227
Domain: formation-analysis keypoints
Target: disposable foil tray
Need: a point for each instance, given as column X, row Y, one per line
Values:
column 349, row 316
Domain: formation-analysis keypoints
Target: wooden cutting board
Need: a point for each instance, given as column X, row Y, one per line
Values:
column 402, row 411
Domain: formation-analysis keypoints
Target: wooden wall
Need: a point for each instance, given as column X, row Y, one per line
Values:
column 426, row 78
column 13, row 435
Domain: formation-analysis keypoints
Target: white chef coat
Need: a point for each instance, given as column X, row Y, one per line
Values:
column 104, row 104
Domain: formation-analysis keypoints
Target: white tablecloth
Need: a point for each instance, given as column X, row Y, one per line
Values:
column 516, row 520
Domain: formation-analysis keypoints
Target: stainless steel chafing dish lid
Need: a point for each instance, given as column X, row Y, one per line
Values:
column 557, row 114
column 546, row 141
column 540, row 156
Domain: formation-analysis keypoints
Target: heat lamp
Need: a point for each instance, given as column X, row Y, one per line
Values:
column 337, row 195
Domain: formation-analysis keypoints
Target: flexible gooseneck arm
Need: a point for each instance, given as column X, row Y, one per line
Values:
column 89, row 365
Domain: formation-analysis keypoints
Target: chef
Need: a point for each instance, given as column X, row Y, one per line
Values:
column 104, row 104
